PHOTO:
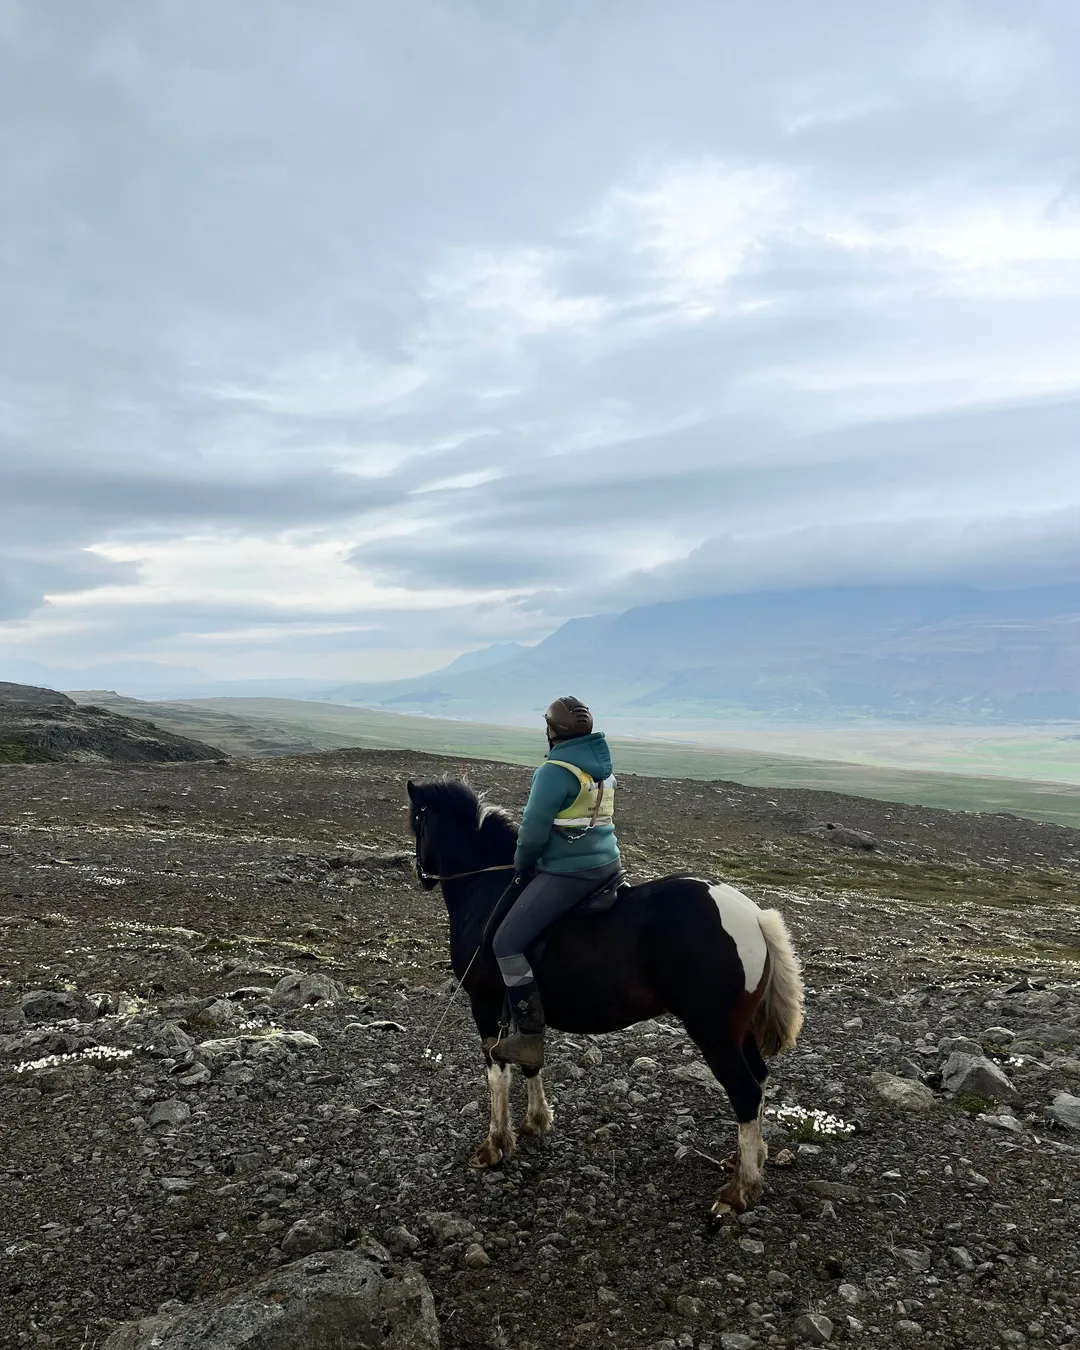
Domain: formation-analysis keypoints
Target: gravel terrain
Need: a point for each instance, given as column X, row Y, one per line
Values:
column 174, row 1120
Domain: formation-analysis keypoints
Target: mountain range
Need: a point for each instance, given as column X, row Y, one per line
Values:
column 831, row 654
column 933, row 653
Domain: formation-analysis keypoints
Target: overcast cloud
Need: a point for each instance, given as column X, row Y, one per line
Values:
column 339, row 338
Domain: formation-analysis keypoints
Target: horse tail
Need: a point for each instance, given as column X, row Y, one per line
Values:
column 779, row 1016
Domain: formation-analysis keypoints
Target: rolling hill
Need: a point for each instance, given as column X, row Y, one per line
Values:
column 43, row 726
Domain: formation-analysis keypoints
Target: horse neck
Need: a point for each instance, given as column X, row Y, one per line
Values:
column 468, row 902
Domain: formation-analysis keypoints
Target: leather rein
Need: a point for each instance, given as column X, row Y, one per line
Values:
column 460, row 876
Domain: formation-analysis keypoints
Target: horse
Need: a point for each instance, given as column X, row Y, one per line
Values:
column 699, row 950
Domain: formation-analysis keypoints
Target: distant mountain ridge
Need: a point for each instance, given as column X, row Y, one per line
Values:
column 905, row 652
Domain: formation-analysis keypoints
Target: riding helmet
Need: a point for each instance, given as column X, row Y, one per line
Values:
column 566, row 718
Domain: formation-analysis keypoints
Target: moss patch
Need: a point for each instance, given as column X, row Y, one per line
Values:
column 973, row 1104
column 12, row 752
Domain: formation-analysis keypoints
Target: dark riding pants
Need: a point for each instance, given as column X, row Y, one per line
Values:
column 546, row 898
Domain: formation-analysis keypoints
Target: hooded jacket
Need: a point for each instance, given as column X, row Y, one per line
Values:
column 554, row 789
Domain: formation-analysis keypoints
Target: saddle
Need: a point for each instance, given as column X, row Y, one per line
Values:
column 602, row 899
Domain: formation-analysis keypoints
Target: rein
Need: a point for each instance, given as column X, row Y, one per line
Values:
column 453, row 876
column 459, row 876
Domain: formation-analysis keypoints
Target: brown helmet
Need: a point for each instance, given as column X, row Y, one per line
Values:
column 568, row 717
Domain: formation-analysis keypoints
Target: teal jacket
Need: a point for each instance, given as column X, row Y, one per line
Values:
column 554, row 789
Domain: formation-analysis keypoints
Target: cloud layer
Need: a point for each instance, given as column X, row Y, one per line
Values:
column 339, row 339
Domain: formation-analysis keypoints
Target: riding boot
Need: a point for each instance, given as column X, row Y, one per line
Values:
column 526, row 1047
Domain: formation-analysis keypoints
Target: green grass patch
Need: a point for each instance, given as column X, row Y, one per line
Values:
column 14, row 752
column 260, row 726
column 972, row 1104
column 915, row 883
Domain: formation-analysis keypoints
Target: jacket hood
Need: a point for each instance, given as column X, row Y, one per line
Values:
column 590, row 753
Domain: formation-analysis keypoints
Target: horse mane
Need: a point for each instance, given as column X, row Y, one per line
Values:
column 492, row 826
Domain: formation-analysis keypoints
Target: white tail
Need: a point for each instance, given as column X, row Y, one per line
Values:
column 779, row 1016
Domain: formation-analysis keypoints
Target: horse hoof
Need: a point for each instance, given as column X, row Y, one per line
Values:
column 489, row 1154
column 734, row 1199
column 532, row 1128
column 721, row 1211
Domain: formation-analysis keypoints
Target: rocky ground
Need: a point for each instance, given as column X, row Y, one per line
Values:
column 172, row 1126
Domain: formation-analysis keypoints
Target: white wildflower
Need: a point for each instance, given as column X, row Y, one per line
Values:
column 94, row 1054
column 813, row 1123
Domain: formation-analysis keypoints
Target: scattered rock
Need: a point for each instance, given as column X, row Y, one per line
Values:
column 844, row 836
column 296, row 991
column 1065, row 1110
column 1002, row 1122
column 401, row 1242
column 976, row 1076
column 172, row 1113
column 446, row 1228
column 341, row 1299
column 904, row 1093
column 57, row 1005
column 319, row 1233
column 475, row 1257
column 696, row 1072
column 963, row 1045
column 917, row 1259
column 813, row 1327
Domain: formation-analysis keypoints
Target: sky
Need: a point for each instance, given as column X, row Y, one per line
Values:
column 340, row 338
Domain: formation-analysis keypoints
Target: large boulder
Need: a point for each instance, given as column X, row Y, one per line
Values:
column 904, row 1093
column 333, row 1301
column 1065, row 1111
column 295, row 991
column 976, row 1076
column 58, row 1005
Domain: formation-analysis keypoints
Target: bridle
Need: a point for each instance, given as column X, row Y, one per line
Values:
column 435, row 877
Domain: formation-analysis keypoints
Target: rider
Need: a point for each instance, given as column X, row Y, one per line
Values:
column 568, row 836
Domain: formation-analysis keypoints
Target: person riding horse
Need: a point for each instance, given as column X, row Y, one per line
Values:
column 567, row 842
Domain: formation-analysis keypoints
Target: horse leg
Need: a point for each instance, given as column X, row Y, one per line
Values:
column 738, row 1079
column 760, row 1070
column 500, row 1141
column 754, row 1059
column 539, row 1117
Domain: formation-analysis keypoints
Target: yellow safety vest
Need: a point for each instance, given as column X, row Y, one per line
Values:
column 594, row 804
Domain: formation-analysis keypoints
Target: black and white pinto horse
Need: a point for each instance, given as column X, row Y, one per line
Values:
column 704, row 953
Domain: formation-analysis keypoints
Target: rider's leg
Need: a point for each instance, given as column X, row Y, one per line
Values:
column 546, row 898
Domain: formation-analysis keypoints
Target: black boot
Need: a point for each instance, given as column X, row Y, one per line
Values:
column 526, row 1047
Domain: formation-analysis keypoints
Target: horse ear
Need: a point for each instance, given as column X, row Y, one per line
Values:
column 413, row 791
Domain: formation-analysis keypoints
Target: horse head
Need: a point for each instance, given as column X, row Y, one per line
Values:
column 456, row 831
